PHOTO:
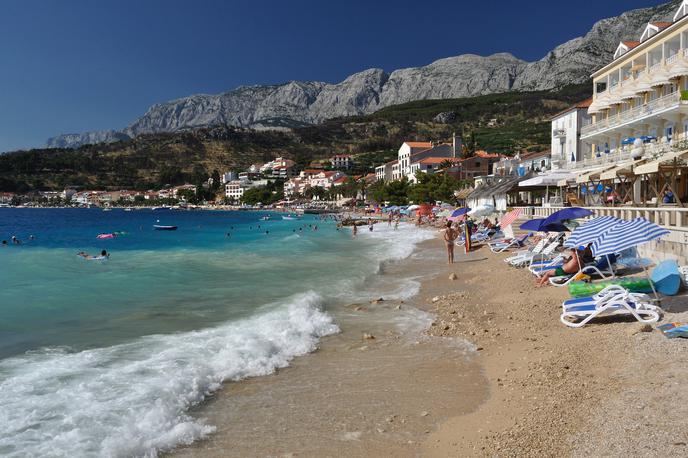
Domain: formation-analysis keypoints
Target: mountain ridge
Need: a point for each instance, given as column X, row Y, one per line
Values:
column 299, row 103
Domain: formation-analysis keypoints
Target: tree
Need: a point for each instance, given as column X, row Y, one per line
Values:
column 259, row 194
column 397, row 192
column 216, row 180
column 433, row 187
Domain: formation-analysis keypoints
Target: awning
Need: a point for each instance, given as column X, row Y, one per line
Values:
column 586, row 175
column 463, row 193
column 622, row 169
column 653, row 167
column 501, row 185
column 547, row 179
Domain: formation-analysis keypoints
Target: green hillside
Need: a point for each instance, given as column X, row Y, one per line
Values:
column 505, row 123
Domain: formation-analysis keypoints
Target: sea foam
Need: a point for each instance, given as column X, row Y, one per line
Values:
column 133, row 399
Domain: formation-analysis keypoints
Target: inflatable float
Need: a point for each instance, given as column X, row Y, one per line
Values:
column 633, row 284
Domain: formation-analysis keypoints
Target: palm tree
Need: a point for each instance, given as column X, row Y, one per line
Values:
column 447, row 164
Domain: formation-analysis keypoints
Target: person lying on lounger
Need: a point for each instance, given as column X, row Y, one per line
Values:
column 571, row 266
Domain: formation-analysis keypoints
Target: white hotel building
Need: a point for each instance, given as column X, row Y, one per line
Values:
column 633, row 158
column 639, row 100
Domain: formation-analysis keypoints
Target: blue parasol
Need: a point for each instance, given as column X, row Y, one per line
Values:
column 460, row 212
column 567, row 213
column 540, row 225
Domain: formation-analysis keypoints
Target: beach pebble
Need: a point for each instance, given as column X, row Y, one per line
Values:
column 424, row 413
column 399, row 307
column 377, row 301
column 638, row 328
column 453, row 276
column 435, row 299
column 368, row 337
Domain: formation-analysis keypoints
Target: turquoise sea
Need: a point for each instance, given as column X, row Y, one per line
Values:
column 106, row 358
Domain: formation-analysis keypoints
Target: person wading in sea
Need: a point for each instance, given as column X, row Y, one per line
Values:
column 450, row 236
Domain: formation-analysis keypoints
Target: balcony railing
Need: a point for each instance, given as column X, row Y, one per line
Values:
column 559, row 133
column 622, row 155
column 639, row 112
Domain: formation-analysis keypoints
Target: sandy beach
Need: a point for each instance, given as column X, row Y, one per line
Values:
column 608, row 389
column 524, row 385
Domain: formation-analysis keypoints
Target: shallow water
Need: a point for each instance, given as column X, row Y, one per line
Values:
column 108, row 357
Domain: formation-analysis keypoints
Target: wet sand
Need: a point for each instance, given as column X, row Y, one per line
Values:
column 379, row 388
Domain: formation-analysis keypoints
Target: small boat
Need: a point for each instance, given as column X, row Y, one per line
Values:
column 107, row 209
column 289, row 218
column 161, row 227
column 265, row 218
column 128, row 209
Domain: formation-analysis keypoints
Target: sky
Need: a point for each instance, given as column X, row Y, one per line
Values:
column 79, row 65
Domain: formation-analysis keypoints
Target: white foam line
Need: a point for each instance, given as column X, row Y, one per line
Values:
column 133, row 399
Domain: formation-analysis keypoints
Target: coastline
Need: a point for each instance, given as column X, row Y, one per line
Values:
column 376, row 389
column 531, row 386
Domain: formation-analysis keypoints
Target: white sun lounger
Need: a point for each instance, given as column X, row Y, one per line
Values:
column 542, row 258
column 613, row 300
column 516, row 257
column 598, row 268
column 499, row 247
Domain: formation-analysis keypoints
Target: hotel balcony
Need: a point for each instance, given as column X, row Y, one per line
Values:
column 636, row 116
column 559, row 133
column 624, row 154
column 625, row 96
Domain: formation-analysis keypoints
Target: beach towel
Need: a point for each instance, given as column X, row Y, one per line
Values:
column 673, row 330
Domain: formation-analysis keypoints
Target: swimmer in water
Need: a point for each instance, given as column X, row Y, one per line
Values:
column 4, row 243
column 228, row 234
column 267, row 232
column 105, row 254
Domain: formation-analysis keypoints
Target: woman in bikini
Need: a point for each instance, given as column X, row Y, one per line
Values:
column 450, row 236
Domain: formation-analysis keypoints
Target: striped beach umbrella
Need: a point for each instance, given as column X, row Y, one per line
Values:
column 590, row 231
column 509, row 218
column 627, row 234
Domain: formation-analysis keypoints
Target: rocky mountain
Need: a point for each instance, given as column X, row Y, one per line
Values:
column 301, row 103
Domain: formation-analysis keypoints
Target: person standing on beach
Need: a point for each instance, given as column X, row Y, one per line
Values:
column 450, row 236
